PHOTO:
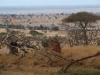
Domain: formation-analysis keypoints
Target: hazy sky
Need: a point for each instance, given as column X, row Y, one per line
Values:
column 47, row 2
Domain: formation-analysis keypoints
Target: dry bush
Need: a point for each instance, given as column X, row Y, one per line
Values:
column 39, row 58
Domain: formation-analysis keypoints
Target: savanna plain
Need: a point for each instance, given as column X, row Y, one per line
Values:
column 38, row 60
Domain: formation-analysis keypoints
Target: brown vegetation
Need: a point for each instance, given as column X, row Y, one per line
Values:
column 46, row 62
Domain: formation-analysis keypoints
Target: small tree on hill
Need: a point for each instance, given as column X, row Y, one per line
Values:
column 82, row 19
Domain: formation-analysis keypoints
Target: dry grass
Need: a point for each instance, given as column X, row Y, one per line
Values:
column 2, row 30
column 42, row 64
column 79, row 52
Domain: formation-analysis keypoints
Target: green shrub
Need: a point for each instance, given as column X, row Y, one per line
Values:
column 3, row 33
column 80, row 71
column 45, row 42
column 83, row 71
column 33, row 33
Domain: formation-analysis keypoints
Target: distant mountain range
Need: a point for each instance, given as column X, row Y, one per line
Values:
column 48, row 9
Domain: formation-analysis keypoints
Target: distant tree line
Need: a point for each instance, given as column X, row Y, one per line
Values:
column 38, row 27
column 12, row 26
column 41, row 27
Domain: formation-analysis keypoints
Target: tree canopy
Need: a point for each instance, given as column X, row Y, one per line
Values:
column 84, row 17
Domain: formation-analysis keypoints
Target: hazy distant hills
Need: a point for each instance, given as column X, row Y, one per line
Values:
column 48, row 9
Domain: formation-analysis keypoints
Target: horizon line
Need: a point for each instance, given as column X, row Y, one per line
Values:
column 49, row 5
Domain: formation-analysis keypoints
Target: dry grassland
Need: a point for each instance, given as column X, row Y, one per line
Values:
column 42, row 65
column 79, row 52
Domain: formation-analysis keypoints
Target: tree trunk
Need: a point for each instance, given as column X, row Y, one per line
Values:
column 85, row 37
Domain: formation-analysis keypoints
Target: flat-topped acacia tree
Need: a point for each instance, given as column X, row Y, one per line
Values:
column 82, row 19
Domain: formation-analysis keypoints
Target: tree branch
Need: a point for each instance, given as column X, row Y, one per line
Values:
column 73, row 62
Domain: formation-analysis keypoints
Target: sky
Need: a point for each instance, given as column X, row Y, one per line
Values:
column 47, row 2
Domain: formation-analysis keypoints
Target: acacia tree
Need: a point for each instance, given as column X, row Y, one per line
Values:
column 82, row 19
